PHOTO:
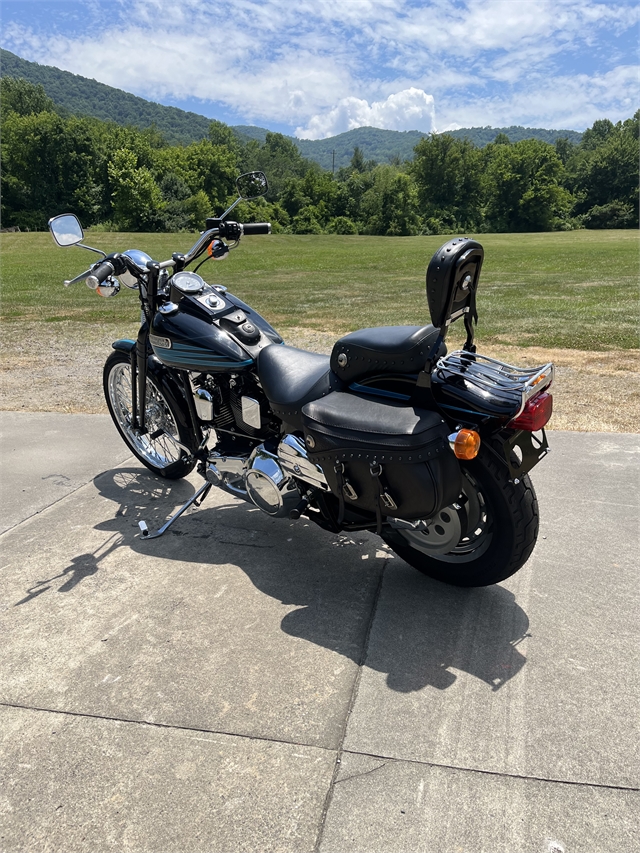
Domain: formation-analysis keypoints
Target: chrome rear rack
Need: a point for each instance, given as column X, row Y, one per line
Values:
column 489, row 374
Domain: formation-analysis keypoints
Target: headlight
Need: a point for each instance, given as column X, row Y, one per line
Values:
column 129, row 280
column 140, row 259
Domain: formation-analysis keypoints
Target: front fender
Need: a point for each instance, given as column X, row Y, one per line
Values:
column 166, row 380
column 123, row 345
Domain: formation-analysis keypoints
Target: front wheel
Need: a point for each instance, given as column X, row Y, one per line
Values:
column 157, row 448
column 483, row 538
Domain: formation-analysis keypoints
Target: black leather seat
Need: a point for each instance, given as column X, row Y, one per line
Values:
column 386, row 349
column 291, row 377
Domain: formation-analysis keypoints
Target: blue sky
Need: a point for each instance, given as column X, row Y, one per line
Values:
column 315, row 68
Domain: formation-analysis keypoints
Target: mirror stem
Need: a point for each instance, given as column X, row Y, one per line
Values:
column 91, row 249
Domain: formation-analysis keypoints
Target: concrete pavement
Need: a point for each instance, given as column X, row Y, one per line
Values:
column 252, row 684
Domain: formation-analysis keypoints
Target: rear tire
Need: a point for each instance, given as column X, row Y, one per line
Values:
column 161, row 454
column 498, row 523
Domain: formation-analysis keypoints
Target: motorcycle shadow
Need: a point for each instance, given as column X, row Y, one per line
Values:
column 422, row 629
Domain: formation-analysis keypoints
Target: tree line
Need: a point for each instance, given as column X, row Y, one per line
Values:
column 122, row 178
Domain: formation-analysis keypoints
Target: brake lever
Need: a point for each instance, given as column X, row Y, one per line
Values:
column 78, row 278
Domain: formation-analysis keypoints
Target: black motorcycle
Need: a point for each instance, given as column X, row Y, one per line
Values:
column 389, row 434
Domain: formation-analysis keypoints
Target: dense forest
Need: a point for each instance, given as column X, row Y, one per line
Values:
column 391, row 146
column 76, row 95
column 119, row 177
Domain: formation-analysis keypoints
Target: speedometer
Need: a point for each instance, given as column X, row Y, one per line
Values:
column 188, row 282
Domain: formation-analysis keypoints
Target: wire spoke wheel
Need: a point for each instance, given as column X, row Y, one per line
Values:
column 159, row 447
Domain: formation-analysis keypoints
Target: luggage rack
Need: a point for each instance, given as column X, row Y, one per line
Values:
column 490, row 375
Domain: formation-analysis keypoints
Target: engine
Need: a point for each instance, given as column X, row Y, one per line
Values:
column 273, row 481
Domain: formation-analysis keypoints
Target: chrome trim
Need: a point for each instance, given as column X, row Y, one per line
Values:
column 227, row 473
column 205, row 238
column 251, row 412
column 204, row 404
column 157, row 341
column 212, row 301
column 188, row 282
column 405, row 524
column 294, row 460
column 91, row 249
column 269, row 486
column 230, row 465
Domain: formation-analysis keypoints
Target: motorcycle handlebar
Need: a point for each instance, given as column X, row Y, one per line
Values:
column 256, row 228
column 103, row 271
column 94, row 276
column 219, row 229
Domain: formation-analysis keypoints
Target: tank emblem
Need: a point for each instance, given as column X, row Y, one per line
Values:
column 156, row 341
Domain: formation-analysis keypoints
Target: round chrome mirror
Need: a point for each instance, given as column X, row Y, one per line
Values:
column 66, row 229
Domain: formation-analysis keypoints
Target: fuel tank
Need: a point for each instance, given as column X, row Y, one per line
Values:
column 208, row 329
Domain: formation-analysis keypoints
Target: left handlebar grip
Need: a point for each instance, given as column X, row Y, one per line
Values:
column 100, row 274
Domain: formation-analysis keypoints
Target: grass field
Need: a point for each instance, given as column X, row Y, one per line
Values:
column 575, row 290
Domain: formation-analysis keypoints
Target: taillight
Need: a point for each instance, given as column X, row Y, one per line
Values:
column 535, row 414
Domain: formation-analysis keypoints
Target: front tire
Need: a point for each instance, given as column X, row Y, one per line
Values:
column 497, row 522
column 162, row 413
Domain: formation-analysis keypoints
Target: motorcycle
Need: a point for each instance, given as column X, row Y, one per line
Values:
column 391, row 433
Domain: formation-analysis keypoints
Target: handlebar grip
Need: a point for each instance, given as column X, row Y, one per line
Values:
column 256, row 228
column 100, row 274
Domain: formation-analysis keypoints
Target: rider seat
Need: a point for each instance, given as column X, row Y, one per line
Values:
column 291, row 377
column 386, row 349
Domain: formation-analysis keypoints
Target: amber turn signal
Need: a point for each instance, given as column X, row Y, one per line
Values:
column 465, row 443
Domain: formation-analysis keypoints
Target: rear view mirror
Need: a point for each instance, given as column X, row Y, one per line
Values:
column 66, row 229
column 252, row 185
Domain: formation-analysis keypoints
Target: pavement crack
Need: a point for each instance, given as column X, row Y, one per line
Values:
column 581, row 783
column 358, row 775
column 352, row 700
column 58, row 500
column 172, row 726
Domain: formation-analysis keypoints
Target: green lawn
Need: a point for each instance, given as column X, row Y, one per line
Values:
column 571, row 289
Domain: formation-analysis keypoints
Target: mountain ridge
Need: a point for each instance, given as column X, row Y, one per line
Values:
column 85, row 96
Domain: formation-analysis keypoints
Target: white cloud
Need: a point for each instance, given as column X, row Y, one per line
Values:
column 560, row 102
column 411, row 109
column 328, row 67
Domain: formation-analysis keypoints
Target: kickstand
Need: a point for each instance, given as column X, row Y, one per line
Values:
column 193, row 500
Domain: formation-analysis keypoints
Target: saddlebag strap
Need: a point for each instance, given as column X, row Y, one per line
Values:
column 339, row 469
column 344, row 489
column 384, row 498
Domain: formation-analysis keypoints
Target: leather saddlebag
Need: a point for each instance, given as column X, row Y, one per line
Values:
column 382, row 457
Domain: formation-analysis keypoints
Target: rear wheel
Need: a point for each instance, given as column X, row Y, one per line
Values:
column 482, row 539
column 157, row 448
